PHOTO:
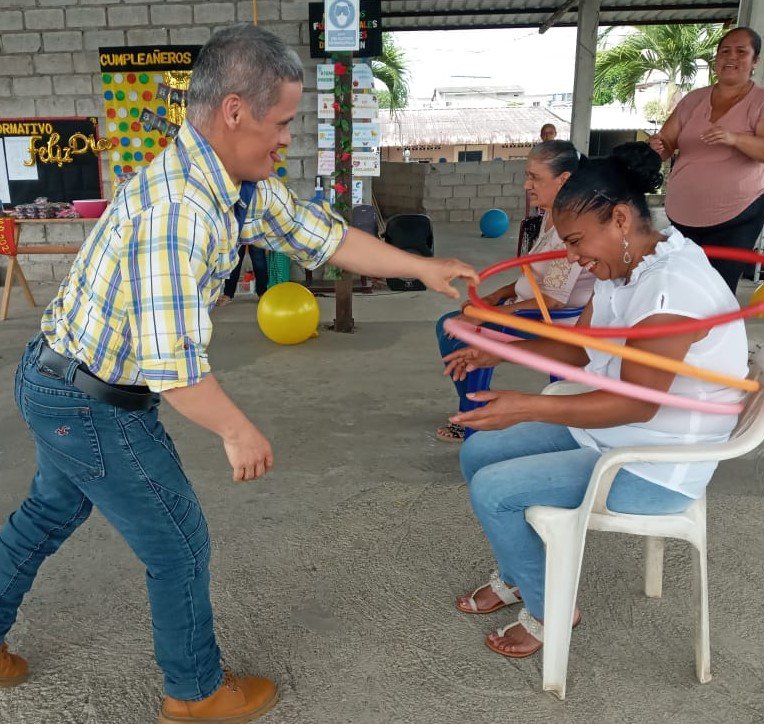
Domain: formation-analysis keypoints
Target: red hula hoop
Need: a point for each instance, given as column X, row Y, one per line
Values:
column 659, row 330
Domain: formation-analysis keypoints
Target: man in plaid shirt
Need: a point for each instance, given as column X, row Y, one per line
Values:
column 131, row 324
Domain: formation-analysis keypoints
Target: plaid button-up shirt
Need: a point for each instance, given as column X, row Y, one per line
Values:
column 135, row 307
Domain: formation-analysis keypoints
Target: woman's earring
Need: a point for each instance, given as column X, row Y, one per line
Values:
column 626, row 255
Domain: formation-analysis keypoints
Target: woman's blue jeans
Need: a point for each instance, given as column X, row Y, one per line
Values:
column 90, row 453
column 535, row 463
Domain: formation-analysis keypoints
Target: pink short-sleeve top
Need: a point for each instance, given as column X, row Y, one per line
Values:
column 711, row 184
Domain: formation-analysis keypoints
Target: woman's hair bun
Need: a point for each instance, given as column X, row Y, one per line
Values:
column 640, row 165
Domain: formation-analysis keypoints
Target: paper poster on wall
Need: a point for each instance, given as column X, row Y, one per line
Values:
column 325, row 162
column 144, row 92
column 366, row 135
column 363, row 79
column 342, row 18
column 365, row 106
column 366, row 163
column 325, row 76
column 20, row 165
column 326, row 105
column 5, row 189
column 357, row 192
column 325, row 135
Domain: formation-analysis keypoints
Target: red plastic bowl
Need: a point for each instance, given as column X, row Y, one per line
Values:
column 90, row 208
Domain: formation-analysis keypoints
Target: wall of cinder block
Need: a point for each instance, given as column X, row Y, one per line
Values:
column 452, row 191
column 49, row 67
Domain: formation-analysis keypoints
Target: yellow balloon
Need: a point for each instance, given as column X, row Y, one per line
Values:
column 757, row 298
column 288, row 313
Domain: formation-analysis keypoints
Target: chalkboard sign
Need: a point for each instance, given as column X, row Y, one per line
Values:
column 52, row 157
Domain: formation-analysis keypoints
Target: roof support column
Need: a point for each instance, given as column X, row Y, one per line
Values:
column 751, row 13
column 583, row 83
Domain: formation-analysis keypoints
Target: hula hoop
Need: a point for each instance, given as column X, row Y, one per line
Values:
column 658, row 330
column 649, row 359
column 537, row 293
column 511, row 353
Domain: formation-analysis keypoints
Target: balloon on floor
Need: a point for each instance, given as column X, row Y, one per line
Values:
column 288, row 313
column 494, row 223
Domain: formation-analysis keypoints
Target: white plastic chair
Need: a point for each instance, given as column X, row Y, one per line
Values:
column 564, row 533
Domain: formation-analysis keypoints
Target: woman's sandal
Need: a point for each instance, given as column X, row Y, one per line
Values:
column 532, row 626
column 450, row 433
column 507, row 595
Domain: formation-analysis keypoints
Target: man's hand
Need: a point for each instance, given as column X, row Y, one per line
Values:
column 504, row 408
column 206, row 404
column 657, row 143
column 465, row 360
column 437, row 274
column 249, row 453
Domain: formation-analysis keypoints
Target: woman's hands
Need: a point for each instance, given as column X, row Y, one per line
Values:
column 465, row 360
column 717, row 134
column 503, row 408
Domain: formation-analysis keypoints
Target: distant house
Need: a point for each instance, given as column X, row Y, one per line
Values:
column 471, row 96
column 465, row 134
column 433, row 135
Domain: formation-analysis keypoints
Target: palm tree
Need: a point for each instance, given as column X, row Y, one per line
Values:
column 390, row 69
column 673, row 50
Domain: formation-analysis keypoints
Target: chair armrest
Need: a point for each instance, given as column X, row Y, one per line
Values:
column 563, row 387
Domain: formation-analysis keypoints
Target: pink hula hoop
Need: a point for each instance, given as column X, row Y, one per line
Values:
column 492, row 345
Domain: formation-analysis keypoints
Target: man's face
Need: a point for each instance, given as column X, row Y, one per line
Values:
column 256, row 141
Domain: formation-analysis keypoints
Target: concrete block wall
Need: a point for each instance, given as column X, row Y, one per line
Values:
column 49, row 63
column 452, row 191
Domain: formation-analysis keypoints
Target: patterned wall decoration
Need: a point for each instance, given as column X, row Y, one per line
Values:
column 144, row 93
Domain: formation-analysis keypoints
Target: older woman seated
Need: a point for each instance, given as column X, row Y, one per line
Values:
column 562, row 284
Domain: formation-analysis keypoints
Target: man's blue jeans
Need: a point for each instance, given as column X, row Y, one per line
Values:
column 534, row 463
column 90, row 453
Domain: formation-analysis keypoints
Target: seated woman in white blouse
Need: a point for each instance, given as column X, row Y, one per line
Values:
column 541, row 450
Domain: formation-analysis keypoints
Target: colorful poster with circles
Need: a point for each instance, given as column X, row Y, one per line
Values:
column 144, row 92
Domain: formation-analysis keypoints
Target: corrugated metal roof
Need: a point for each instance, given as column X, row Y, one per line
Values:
column 473, row 126
column 399, row 15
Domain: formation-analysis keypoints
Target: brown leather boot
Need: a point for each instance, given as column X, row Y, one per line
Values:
column 239, row 700
column 13, row 669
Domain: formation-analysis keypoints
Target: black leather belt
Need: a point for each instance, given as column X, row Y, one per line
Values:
column 128, row 397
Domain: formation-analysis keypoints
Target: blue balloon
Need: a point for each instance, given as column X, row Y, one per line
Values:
column 494, row 223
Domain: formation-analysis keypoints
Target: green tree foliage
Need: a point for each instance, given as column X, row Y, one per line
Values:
column 677, row 51
column 390, row 69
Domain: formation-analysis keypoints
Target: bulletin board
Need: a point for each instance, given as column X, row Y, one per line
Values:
column 52, row 157
column 144, row 93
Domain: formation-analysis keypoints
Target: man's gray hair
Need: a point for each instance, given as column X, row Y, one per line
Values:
column 242, row 59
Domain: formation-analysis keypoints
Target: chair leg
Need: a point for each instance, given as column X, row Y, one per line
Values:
column 654, row 566
column 702, row 626
column 563, row 566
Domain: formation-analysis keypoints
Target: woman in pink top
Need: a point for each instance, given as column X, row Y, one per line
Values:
column 715, row 192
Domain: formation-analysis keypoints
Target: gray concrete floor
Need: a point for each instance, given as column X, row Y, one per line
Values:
column 336, row 574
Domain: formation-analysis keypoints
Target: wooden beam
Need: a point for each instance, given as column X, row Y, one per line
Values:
column 556, row 15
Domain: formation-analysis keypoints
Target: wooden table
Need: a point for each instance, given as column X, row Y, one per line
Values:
column 14, row 267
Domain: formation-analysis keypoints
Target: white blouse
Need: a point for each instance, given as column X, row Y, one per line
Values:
column 676, row 279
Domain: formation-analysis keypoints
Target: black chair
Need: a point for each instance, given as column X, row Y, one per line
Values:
column 412, row 233
column 364, row 217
